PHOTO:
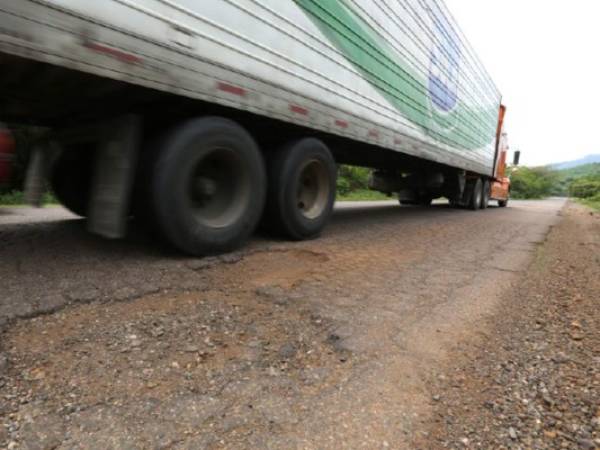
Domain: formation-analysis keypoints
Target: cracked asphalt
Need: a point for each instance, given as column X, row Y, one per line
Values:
column 320, row 344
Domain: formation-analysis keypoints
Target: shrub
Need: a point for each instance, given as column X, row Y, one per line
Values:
column 352, row 178
column 15, row 198
column 533, row 182
column 585, row 187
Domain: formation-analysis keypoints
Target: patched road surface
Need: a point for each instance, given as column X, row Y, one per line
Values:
column 320, row 344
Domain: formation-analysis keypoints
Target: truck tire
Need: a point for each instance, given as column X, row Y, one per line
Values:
column 476, row 195
column 408, row 202
column 208, row 186
column 502, row 203
column 425, row 201
column 302, row 184
column 70, row 180
column 420, row 200
column 485, row 195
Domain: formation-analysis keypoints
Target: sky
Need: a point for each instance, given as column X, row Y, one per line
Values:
column 544, row 56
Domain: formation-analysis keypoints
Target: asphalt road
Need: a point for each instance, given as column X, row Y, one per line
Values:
column 319, row 344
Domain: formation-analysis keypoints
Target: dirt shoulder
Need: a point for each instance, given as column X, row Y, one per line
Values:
column 532, row 380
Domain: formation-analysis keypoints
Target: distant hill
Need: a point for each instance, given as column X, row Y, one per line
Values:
column 584, row 170
column 589, row 159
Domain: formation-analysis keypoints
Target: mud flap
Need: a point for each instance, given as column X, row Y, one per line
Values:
column 36, row 178
column 116, row 150
column 114, row 172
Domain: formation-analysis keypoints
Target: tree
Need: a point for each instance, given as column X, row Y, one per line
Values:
column 533, row 182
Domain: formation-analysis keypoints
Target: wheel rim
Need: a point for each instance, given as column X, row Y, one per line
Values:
column 219, row 188
column 312, row 194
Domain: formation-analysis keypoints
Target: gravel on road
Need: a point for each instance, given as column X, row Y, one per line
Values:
column 331, row 343
column 532, row 379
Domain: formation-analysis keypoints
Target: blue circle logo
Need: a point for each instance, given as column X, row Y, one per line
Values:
column 444, row 69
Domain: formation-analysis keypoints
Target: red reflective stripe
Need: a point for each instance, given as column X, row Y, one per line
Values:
column 230, row 89
column 341, row 123
column 373, row 133
column 299, row 110
column 397, row 141
column 118, row 54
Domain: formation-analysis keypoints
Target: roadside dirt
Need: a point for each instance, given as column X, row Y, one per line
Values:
column 532, row 379
column 334, row 343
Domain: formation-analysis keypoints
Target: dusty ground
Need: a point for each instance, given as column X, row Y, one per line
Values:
column 340, row 342
column 532, row 381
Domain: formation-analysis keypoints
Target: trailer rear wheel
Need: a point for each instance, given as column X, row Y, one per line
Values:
column 476, row 194
column 70, row 180
column 485, row 195
column 208, row 186
column 425, row 201
column 302, row 182
column 419, row 200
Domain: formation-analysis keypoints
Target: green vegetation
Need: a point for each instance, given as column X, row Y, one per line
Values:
column 586, row 187
column 592, row 202
column 362, row 195
column 533, row 182
column 581, row 182
column 527, row 183
column 17, row 198
column 569, row 176
column 353, row 185
column 351, row 178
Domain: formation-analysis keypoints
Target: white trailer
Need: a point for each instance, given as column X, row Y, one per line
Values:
column 196, row 114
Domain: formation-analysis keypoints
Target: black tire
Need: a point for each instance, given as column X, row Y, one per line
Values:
column 502, row 203
column 476, row 194
column 408, row 202
column 208, row 186
column 70, row 180
column 425, row 201
column 302, row 185
column 485, row 195
column 418, row 201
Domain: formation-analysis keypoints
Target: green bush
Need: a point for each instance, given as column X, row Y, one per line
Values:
column 585, row 187
column 16, row 198
column 343, row 186
column 533, row 182
column 352, row 178
column 592, row 202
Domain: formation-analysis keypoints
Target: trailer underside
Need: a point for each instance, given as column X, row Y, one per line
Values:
column 101, row 132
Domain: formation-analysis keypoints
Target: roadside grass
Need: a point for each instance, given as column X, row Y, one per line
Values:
column 362, row 195
column 17, row 198
column 592, row 202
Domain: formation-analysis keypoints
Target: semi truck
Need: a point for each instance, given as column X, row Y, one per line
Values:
column 206, row 119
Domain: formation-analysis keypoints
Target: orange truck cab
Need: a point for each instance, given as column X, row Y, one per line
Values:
column 500, row 186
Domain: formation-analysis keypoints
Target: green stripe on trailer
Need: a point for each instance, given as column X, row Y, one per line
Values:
column 405, row 89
